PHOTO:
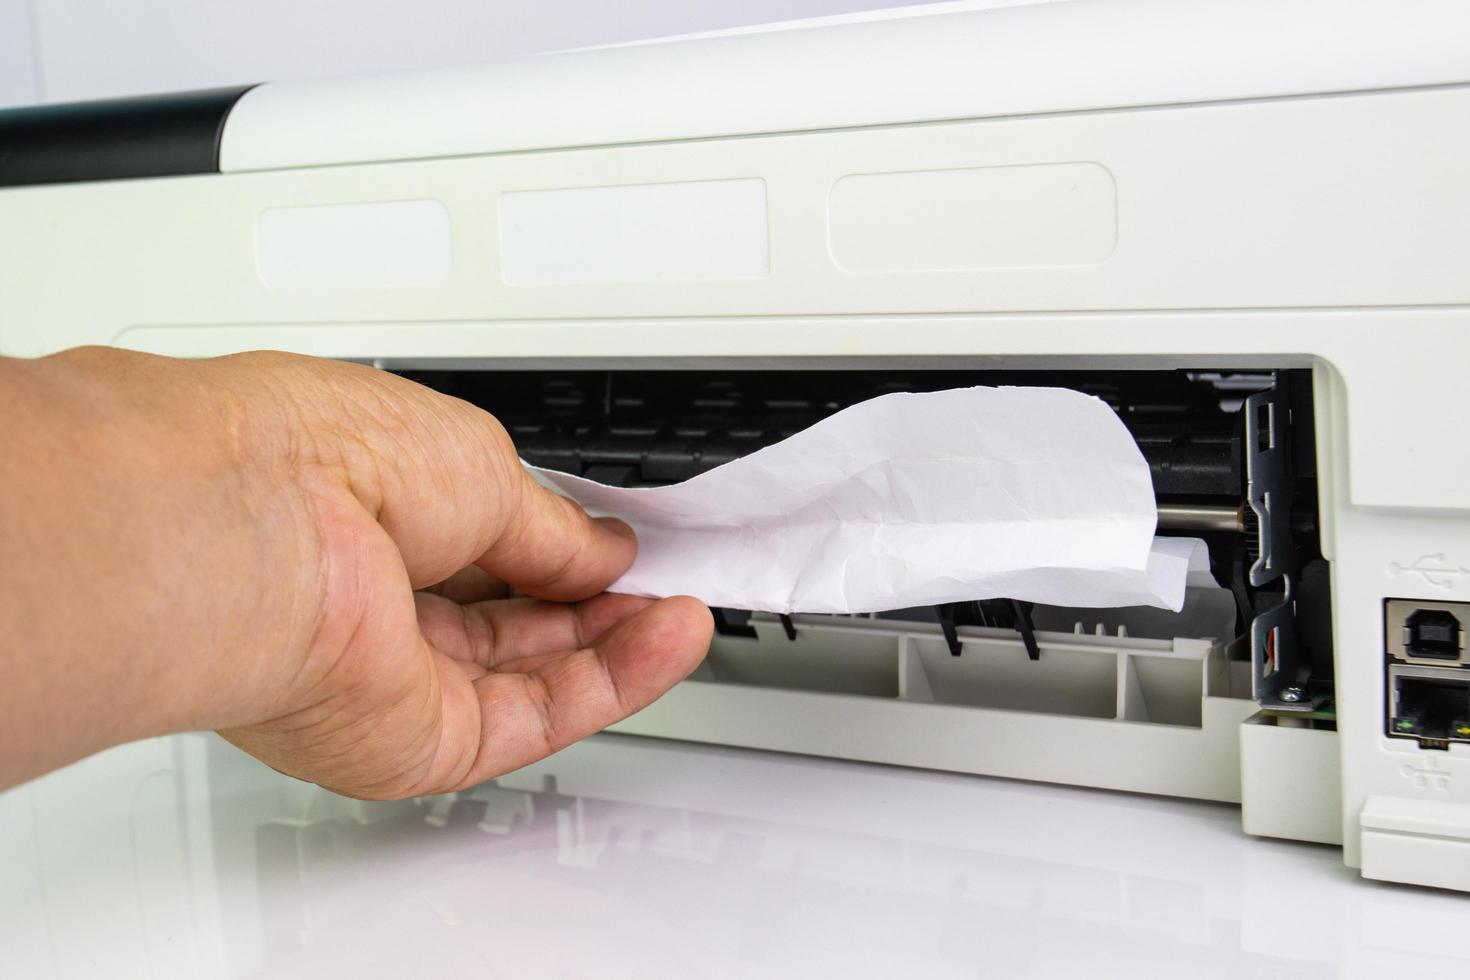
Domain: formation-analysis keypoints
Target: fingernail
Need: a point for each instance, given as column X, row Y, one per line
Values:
column 620, row 528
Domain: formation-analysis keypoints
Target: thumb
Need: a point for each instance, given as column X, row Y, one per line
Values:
column 548, row 547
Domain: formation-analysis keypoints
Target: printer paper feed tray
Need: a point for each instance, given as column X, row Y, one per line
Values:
column 1039, row 494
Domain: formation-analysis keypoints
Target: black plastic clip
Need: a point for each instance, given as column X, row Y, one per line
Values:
column 788, row 626
column 1021, row 612
column 999, row 613
column 946, row 614
column 727, row 625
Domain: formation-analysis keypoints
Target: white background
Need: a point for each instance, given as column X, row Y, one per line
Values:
column 62, row 50
column 688, row 859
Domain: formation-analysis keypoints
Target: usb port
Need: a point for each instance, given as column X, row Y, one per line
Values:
column 1424, row 632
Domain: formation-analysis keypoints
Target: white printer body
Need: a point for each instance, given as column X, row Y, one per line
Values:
column 1248, row 224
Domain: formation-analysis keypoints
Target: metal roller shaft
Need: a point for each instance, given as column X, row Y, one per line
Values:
column 1202, row 517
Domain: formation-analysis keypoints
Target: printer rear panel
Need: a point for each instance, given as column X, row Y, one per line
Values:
column 654, row 427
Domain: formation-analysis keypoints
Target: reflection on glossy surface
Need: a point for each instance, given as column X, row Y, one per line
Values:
column 625, row 857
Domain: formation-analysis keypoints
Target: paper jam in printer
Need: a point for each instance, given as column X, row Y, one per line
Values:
column 912, row 499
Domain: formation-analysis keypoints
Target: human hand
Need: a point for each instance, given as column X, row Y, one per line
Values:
column 350, row 576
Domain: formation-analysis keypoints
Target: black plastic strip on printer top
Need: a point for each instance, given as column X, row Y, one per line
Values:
column 116, row 139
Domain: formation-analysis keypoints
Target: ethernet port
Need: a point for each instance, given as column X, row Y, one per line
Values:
column 1432, row 634
column 1431, row 704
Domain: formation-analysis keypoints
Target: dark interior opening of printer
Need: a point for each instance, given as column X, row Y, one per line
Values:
column 1203, row 434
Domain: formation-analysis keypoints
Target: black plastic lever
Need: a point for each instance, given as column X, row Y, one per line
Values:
column 946, row 614
column 1021, row 611
column 1000, row 613
column 728, row 625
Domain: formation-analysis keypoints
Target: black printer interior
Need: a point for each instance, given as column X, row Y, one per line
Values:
column 1205, row 435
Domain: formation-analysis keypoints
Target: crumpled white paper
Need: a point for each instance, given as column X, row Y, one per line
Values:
column 1038, row 494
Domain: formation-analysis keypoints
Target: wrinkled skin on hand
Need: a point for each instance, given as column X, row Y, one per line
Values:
column 348, row 575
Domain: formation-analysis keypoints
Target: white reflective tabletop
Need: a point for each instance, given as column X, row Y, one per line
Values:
column 625, row 857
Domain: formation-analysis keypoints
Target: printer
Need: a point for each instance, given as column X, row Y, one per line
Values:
column 1245, row 225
